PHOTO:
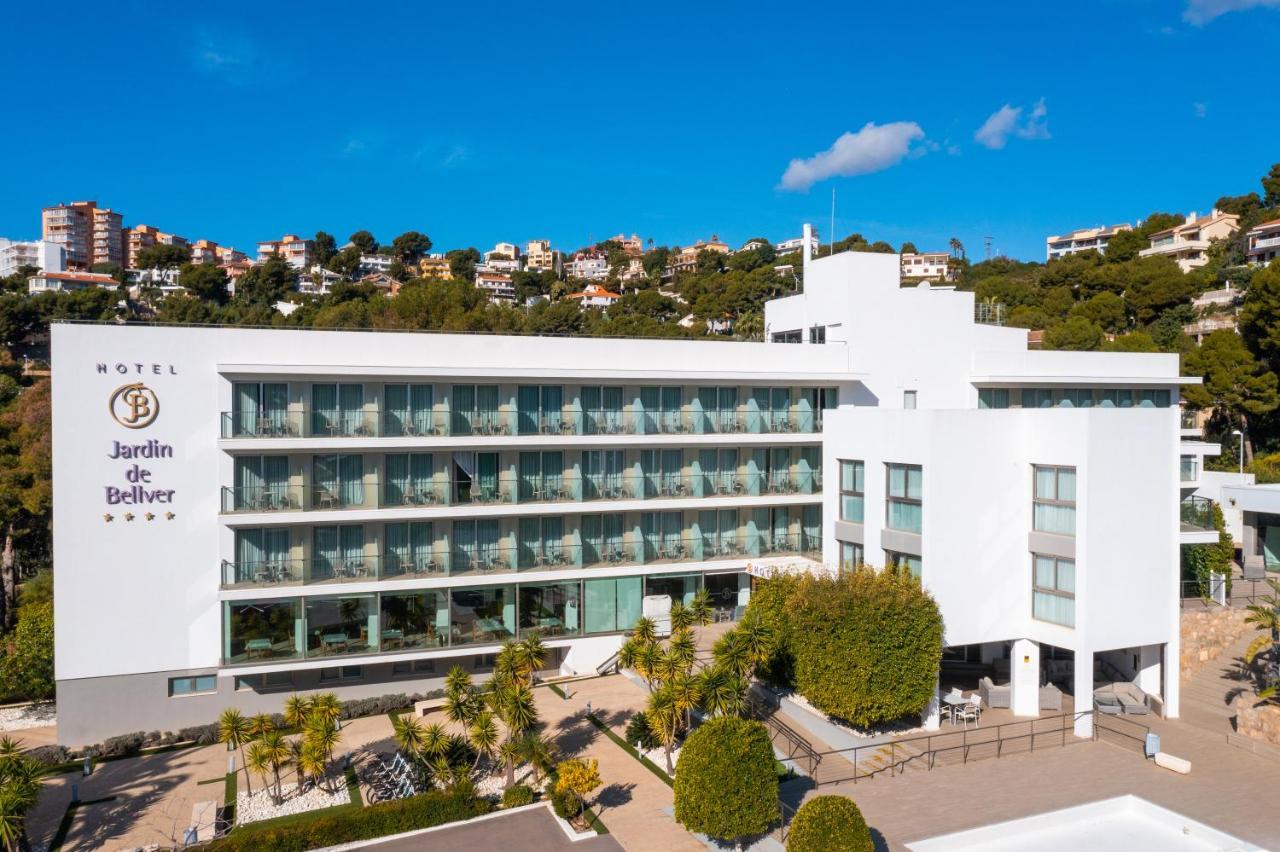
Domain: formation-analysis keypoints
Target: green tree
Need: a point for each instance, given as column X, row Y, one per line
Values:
column 364, row 241
column 235, row 730
column 908, row 248
column 26, row 668
column 19, row 791
column 204, row 281
column 1271, row 187
column 726, row 787
column 115, row 270
column 829, row 824
column 26, row 488
column 1125, row 246
column 1076, row 333
column 410, row 247
column 462, row 263
column 578, row 777
column 266, row 283
column 1106, row 309
column 324, row 248
column 1260, row 315
column 1236, row 386
column 1134, row 341
column 163, row 256
column 1265, row 617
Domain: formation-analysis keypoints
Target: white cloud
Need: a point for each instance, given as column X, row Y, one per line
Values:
column 229, row 57
column 874, row 148
column 1202, row 109
column 1201, row 12
column 1008, row 121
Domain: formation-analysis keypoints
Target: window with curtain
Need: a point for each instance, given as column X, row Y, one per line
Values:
column 603, row 471
column 779, row 470
column 912, row 563
column 338, row 481
column 852, row 486
column 780, row 538
column 528, row 409
column 904, row 491
column 337, row 409
column 262, row 483
column 408, row 409
column 851, row 555
column 993, row 397
column 263, row 554
column 1053, row 590
column 780, row 409
column 409, row 548
column 811, row 528
column 260, row 408
column 487, row 410
column 409, row 479
column 337, row 552
column 602, row 539
column 1054, row 500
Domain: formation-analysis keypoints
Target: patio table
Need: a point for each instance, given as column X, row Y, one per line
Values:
column 334, row 639
column 952, row 702
column 396, row 636
column 258, row 646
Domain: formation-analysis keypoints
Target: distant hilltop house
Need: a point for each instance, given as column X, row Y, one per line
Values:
column 933, row 266
column 539, row 256
column 588, row 265
column 1081, row 240
column 297, row 251
column 67, row 282
column 632, row 245
column 686, row 259
column 435, row 266
column 497, row 286
column 40, row 254
column 1189, row 242
column 796, row 244
column 594, row 296
column 1263, row 243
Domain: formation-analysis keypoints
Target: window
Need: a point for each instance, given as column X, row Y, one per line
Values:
column 818, row 334
column 796, row 336
column 337, row 673
column 1054, row 503
column 904, row 560
column 909, row 399
column 1154, row 399
column 407, row 668
column 851, row 555
column 1076, row 398
column 993, row 397
column 1053, row 590
column 194, row 685
column 265, row 682
column 904, row 489
column 851, row 491
column 1037, row 398
column 1114, row 398
column 484, row 661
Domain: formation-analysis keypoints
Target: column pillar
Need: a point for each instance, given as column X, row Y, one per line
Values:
column 1083, row 688
column 932, row 715
column 1024, row 676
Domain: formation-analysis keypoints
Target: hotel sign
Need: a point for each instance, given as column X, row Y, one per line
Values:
column 136, row 405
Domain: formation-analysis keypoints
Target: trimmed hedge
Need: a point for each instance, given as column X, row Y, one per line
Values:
column 429, row 809
column 517, row 796
column 829, row 824
column 725, row 785
column 867, row 645
column 769, row 603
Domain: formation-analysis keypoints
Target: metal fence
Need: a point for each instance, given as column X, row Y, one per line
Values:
column 1239, row 593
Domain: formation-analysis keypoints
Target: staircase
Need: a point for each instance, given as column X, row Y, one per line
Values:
column 1208, row 699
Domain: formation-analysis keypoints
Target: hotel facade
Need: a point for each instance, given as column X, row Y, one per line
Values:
column 245, row 513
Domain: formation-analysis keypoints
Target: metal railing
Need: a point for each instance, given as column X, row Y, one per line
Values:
column 1239, row 593
column 796, row 746
column 1196, row 512
column 895, row 756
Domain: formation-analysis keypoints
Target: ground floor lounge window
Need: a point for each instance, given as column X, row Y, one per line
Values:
column 851, row 555
column 415, row 620
column 261, row 630
column 551, row 609
column 612, row 604
column 483, row 615
column 680, row 587
column 345, row 625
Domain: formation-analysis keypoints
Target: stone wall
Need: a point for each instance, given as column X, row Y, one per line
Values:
column 1206, row 633
column 1259, row 722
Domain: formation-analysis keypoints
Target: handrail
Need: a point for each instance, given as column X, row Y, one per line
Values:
column 796, row 742
column 610, row 662
column 930, row 752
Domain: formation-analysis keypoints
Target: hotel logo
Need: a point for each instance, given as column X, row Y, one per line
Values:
column 134, row 406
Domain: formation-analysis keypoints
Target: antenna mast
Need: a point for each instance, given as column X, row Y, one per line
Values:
column 831, row 237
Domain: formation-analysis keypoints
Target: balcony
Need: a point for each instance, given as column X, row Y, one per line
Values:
column 502, row 558
column 1189, row 469
column 441, row 421
column 1196, row 514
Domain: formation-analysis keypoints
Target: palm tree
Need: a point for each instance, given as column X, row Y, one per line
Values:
column 700, row 607
column 275, row 748
column 681, row 617
column 19, row 791
column 235, row 730
column 757, row 638
column 686, row 692
column 530, row 655
column 1265, row 617
column 458, row 680
column 723, row 692
column 957, row 247
column 260, row 725
column 409, row 733
column 435, row 741
column 483, row 736
column 312, row 763
column 665, row 719
column 515, row 707
column 509, row 754
column 732, row 654
column 540, row 751
column 461, row 708
column 296, row 709
column 327, row 706
column 505, row 666
column 648, row 663
column 627, row 654
column 645, row 630
column 683, row 649
column 259, row 760
column 321, row 735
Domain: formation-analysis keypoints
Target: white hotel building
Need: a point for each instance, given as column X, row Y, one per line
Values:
column 242, row 513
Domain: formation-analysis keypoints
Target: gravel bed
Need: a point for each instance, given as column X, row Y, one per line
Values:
column 659, row 757
column 493, row 785
column 258, row 806
column 23, row 716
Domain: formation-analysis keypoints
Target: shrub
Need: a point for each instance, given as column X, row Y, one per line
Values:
column 564, row 803
column 377, row 706
column 726, row 787
column 640, row 731
column 517, row 796
column 121, row 746
column 769, row 601
column 50, row 755
column 867, row 645
column 424, row 811
column 199, row 734
column 829, row 824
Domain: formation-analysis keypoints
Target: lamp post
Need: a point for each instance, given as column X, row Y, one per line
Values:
column 1240, row 437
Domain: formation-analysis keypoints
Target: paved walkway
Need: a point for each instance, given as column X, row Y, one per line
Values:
column 1208, row 696
column 633, row 798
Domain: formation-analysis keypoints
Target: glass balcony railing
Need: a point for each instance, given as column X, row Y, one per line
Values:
column 1189, row 469
column 1196, row 513
column 1187, row 419
column 441, row 421
column 506, row 557
column 262, row 498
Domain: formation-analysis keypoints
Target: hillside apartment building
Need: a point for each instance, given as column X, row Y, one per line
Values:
column 1082, row 239
column 1189, row 242
column 87, row 233
column 243, row 513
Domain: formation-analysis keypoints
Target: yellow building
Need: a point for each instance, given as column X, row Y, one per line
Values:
column 435, row 266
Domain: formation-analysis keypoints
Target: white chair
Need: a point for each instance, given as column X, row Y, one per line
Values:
column 971, row 710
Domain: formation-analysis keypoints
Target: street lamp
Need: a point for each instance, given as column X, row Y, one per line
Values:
column 1240, row 437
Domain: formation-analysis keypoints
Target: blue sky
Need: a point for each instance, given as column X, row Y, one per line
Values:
column 480, row 122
